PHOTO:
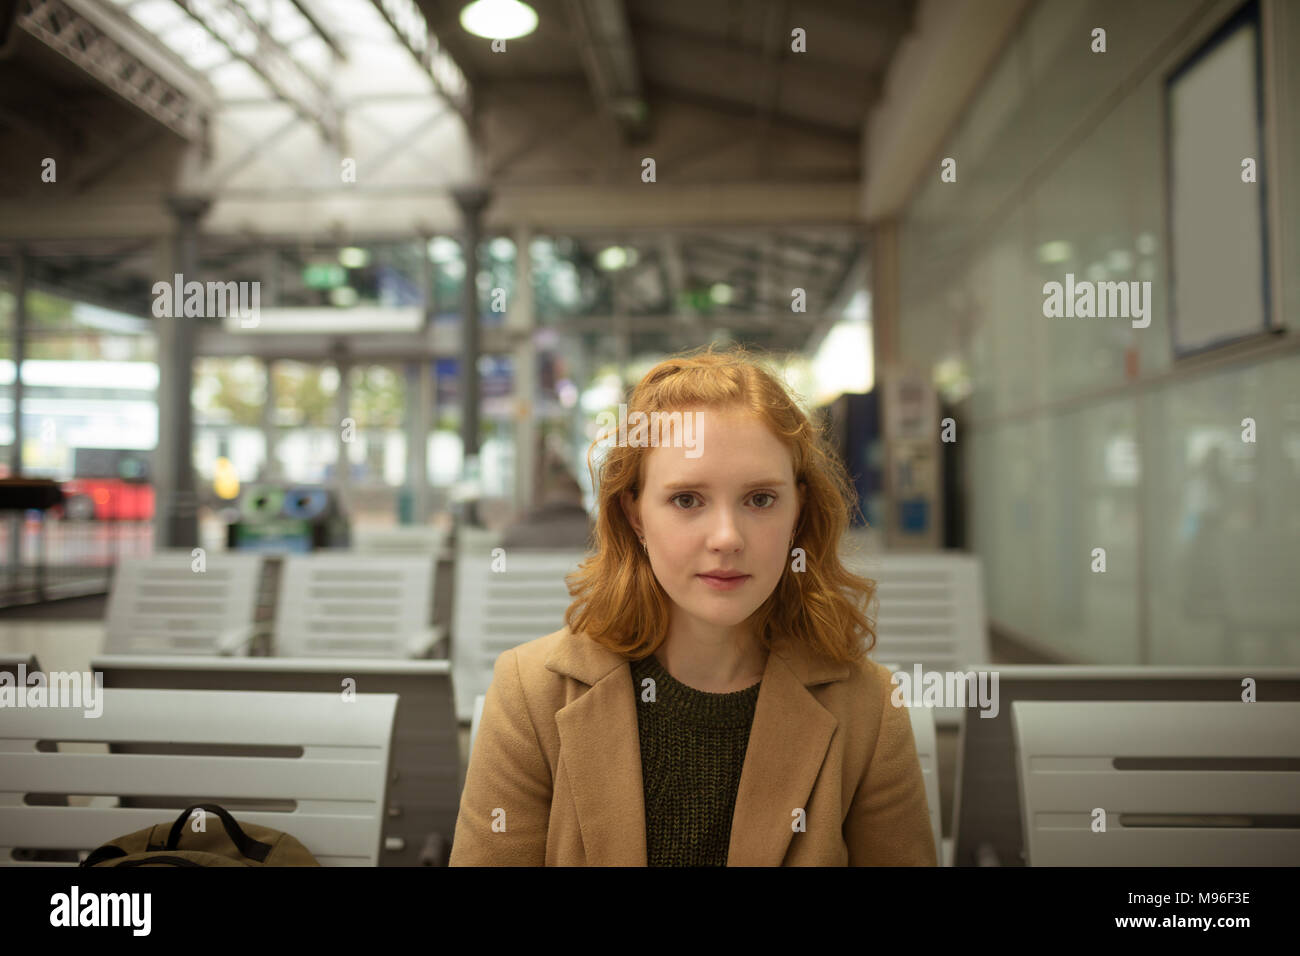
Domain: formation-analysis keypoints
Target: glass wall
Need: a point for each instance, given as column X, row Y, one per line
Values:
column 1087, row 433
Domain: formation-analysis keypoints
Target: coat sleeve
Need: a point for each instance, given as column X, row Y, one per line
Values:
column 888, row 823
column 505, row 806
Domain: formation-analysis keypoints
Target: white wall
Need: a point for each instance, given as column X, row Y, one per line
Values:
column 1086, row 433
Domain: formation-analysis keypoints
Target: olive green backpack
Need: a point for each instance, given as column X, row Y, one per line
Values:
column 228, row 845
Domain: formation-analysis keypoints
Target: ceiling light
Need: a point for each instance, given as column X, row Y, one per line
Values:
column 499, row 19
column 443, row 249
column 353, row 257
column 1119, row 261
column 612, row 258
column 343, row 297
column 1056, row 251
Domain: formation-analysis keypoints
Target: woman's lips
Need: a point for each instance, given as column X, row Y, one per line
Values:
column 723, row 584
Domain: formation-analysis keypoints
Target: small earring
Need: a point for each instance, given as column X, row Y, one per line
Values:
column 644, row 547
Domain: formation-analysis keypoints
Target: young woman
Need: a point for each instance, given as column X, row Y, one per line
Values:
column 709, row 701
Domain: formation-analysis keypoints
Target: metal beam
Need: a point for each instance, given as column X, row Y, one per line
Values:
column 412, row 30
column 53, row 130
column 769, row 91
column 112, row 48
column 725, row 107
column 759, row 322
column 128, row 145
column 609, row 58
column 220, row 177
column 748, row 259
column 321, row 32
column 732, row 57
column 890, row 17
column 237, row 29
column 362, row 347
column 549, row 128
column 399, row 144
column 821, row 287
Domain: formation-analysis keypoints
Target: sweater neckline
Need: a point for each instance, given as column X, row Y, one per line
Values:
column 700, row 706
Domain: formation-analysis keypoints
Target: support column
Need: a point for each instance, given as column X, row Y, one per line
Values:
column 420, row 397
column 884, row 343
column 523, row 323
column 622, row 338
column 579, row 366
column 419, row 408
column 270, row 299
column 472, row 201
column 177, row 523
column 909, row 413
column 270, row 433
column 342, row 406
column 18, row 344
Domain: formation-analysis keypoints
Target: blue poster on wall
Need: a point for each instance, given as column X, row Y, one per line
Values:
column 496, row 377
column 914, row 515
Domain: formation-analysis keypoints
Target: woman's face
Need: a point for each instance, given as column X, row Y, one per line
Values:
column 731, row 508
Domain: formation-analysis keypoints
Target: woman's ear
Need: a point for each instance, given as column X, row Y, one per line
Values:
column 631, row 508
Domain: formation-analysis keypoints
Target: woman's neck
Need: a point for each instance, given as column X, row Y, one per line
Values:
column 718, row 664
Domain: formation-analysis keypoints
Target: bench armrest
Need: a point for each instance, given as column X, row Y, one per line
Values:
column 236, row 642
column 423, row 642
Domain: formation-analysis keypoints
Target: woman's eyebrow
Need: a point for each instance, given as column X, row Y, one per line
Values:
column 674, row 486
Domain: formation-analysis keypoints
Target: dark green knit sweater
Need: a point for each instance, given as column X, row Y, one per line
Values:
column 692, row 750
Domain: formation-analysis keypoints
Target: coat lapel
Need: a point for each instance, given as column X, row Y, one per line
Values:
column 602, row 753
column 781, row 763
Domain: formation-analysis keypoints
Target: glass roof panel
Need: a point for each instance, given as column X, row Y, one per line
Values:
column 156, row 15
column 378, row 61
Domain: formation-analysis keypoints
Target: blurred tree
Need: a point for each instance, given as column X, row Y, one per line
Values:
column 378, row 396
column 231, row 390
column 302, row 396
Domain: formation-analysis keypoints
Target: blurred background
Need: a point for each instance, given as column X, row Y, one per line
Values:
column 324, row 280
column 870, row 194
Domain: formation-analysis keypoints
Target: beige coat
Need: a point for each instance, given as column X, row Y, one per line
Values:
column 555, row 776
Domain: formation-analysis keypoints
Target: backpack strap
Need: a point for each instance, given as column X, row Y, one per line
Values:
column 160, row 861
column 105, row 852
column 250, row 848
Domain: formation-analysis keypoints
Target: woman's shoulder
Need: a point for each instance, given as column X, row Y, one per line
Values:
column 545, row 662
column 856, row 691
column 863, row 674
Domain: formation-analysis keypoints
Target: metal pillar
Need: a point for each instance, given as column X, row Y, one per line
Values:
column 270, row 433
column 421, row 397
column 884, row 334
column 177, row 520
column 523, row 322
column 419, row 409
column 270, row 299
column 18, row 344
column 472, row 201
column 622, row 336
column 343, row 402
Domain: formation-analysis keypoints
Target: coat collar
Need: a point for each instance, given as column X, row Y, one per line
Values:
column 602, row 751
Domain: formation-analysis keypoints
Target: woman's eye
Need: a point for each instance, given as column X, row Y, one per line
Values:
column 761, row 494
